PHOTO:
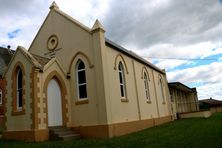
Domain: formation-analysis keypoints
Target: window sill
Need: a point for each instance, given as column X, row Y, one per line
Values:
column 148, row 102
column 17, row 113
column 79, row 102
column 124, row 100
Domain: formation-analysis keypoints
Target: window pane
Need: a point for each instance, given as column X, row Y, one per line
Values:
column 120, row 78
column 145, row 77
column 20, row 98
column 120, row 67
column 81, row 77
column 122, row 91
column 81, row 65
column 19, row 79
column 82, row 91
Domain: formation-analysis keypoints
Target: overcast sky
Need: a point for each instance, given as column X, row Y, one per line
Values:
column 183, row 37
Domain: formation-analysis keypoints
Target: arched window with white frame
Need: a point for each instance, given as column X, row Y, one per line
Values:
column 122, row 80
column 1, row 96
column 19, row 80
column 146, row 86
column 81, row 80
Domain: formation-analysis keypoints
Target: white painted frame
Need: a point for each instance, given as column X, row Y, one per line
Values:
column 146, row 86
column 123, row 83
column 77, row 80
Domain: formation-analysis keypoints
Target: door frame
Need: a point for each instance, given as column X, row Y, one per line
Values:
column 54, row 110
column 55, row 75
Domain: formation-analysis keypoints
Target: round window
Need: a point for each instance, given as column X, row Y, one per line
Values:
column 52, row 42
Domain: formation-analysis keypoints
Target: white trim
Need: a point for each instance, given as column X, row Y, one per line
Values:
column 146, row 86
column 77, row 80
column 122, row 76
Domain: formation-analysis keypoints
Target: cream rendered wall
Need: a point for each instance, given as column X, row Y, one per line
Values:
column 24, row 120
column 78, row 115
column 147, row 110
column 73, row 39
column 121, row 111
column 53, row 67
column 164, row 108
column 135, row 108
column 104, row 91
column 83, row 114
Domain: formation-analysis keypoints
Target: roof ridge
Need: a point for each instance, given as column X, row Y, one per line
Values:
column 29, row 56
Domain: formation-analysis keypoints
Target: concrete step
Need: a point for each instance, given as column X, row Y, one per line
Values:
column 70, row 137
column 63, row 133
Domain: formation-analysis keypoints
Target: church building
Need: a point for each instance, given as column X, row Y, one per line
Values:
column 73, row 76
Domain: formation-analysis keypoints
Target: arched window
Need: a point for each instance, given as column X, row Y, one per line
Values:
column 81, row 80
column 19, row 89
column 122, row 80
column 1, row 96
column 161, row 88
column 146, row 85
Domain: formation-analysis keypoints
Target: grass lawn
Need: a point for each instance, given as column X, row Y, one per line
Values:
column 184, row 133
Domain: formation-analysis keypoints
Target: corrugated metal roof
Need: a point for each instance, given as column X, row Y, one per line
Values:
column 180, row 86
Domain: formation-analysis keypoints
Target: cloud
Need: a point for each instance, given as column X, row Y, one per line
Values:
column 29, row 16
column 26, row 15
column 171, row 64
column 211, row 90
column 85, row 11
column 209, row 76
column 167, row 22
column 204, row 73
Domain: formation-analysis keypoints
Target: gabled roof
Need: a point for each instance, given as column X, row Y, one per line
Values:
column 5, row 57
column 52, row 61
column 181, row 86
column 42, row 60
column 30, row 57
column 37, row 61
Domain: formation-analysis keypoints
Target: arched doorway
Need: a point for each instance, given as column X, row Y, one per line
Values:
column 54, row 103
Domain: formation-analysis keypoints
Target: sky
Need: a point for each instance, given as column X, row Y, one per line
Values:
column 182, row 37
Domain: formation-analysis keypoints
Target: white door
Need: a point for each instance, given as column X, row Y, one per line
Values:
column 54, row 104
